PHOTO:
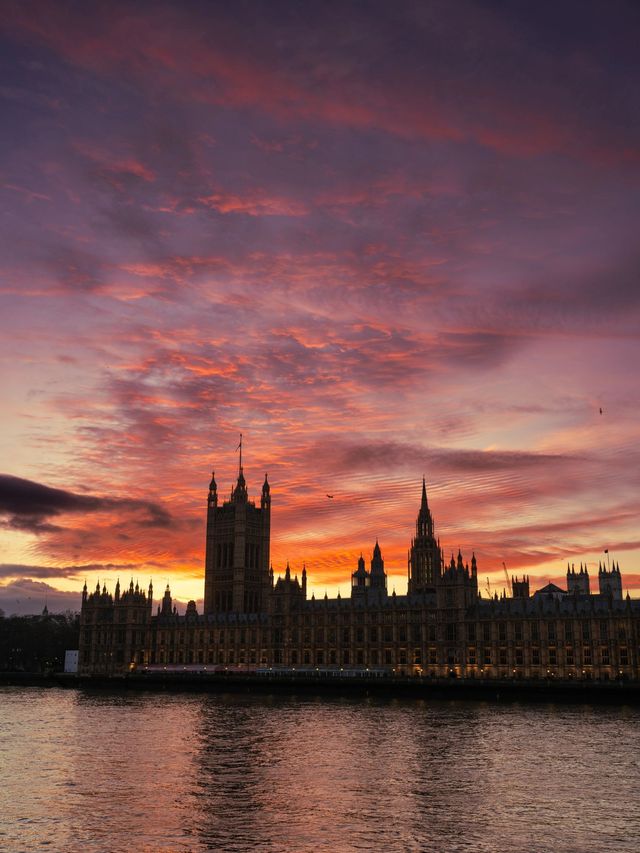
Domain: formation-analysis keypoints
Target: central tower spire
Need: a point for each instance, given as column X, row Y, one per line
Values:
column 424, row 522
column 240, row 491
column 425, row 559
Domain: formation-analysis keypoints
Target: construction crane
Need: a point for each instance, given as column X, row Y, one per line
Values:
column 508, row 579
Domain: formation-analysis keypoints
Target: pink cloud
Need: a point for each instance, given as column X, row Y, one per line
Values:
column 224, row 70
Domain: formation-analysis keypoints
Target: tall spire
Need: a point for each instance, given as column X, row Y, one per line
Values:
column 240, row 491
column 424, row 523
column 425, row 559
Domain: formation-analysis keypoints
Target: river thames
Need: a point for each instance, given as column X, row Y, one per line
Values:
column 90, row 771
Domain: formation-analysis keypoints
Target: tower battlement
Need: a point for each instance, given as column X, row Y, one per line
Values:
column 237, row 577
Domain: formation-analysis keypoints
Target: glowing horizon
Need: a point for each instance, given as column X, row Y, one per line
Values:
column 381, row 243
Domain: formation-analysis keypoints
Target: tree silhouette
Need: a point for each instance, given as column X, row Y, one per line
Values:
column 37, row 643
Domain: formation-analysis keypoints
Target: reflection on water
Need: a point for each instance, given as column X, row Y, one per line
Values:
column 82, row 771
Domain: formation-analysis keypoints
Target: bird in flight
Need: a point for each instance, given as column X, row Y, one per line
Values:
column 601, row 411
column 330, row 497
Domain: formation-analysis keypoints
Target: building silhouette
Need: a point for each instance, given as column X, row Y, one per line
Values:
column 442, row 627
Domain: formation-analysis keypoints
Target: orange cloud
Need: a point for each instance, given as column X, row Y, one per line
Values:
column 255, row 203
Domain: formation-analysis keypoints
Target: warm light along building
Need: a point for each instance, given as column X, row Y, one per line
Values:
column 442, row 627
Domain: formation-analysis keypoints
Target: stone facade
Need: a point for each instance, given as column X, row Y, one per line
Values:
column 442, row 627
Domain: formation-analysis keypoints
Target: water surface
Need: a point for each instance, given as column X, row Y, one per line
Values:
column 93, row 771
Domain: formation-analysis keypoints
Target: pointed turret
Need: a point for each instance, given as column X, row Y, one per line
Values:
column 240, row 490
column 166, row 602
column 610, row 581
column 578, row 581
column 520, row 588
column 360, row 578
column 213, row 490
column 378, row 577
column 265, row 500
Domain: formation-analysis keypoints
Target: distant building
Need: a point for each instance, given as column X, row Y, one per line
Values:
column 442, row 627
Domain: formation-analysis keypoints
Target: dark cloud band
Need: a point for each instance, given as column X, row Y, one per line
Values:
column 27, row 505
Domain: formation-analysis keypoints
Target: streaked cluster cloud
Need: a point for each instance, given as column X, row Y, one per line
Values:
column 380, row 240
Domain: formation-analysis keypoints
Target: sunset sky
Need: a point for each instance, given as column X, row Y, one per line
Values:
column 381, row 239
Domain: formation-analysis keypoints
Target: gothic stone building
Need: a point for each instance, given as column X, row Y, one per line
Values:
column 442, row 627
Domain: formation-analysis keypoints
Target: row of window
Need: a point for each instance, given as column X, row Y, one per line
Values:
column 388, row 657
column 567, row 628
column 409, row 626
column 372, row 635
column 485, row 656
column 587, row 656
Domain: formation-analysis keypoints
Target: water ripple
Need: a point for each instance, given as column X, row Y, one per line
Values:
column 83, row 771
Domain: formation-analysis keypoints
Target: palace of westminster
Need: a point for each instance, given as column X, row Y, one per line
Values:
column 442, row 627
